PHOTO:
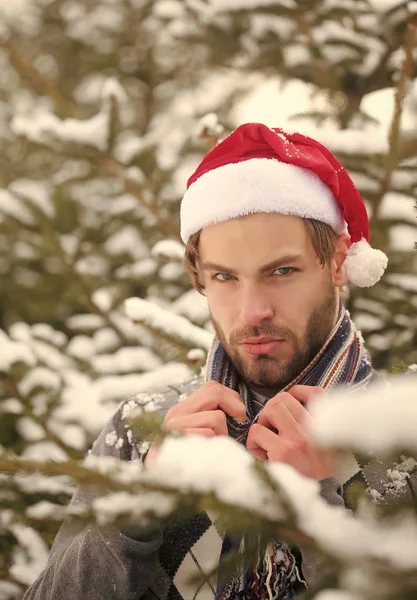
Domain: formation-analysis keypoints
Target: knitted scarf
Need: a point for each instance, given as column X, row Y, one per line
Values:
column 342, row 360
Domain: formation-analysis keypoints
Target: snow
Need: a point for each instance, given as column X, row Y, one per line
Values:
column 47, row 128
column 125, row 360
column 113, row 440
column 238, row 5
column 229, row 473
column 36, row 483
column 368, row 322
column 398, row 206
column 80, row 403
column 42, row 451
column 85, row 322
column 9, row 591
column 412, row 7
column 112, row 88
column 29, row 430
column 73, row 436
column 13, row 207
column 22, row 15
column 403, row 281
column 14, row 352
column 168, row 9
column 29, row 556
column 81, row 347
column 120, row 386
column 385, row 5
column 170, row 324
column 37, row 192
column 193, row 306
column 296, row 54
column 348, row 141
column 402, row 237
column 89, row 90
column 172, row 249
column 127, row 241
column 380, row 420
column 50, row 356
column 47, row 333
column 138, row 270
column 12, row 406
column 393, row 542
column 128, row 146
column 69, row 244
column 24, row 250
column 181, row 462
column 335, row 595
column 262, row 24
column 103, row 298
column 39, row 377
column 171, row 272
column 94, row 266
column 196, row 354
column 135, row 174
column 46, row 510
column 209, row 125
column 105, row 339
column 122, row 503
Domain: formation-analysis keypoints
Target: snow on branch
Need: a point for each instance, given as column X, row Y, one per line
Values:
column 218, row 474
column 46, row 128
column 167, row 323
column 172, row 249
column 381, row 420
column 13, row 352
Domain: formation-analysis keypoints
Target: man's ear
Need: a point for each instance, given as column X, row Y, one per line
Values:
column 339, row 276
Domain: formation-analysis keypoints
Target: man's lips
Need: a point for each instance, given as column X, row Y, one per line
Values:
column 261, row 345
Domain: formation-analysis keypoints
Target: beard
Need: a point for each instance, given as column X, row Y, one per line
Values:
column 267, row 371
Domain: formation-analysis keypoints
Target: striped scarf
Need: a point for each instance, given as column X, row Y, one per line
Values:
column 343, row 359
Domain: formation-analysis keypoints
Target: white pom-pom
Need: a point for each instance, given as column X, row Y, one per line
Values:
column 365, row 265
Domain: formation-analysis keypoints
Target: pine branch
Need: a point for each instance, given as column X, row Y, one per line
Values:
column 78, row 282
column 114, row 168
column 169, row 327
column 38, row 81
column 63, row 108
column 12, row 389
column 394, row 134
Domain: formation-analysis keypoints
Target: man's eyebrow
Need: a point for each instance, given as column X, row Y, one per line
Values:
column 283, row 261
column 209, row 266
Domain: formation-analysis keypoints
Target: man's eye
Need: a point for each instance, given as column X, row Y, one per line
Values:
column 284, row 271
column 223, row 277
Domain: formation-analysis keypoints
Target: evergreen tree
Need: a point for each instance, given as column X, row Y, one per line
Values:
column 106, row 107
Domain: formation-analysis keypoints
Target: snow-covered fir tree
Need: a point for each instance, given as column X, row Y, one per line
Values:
column 105, row 108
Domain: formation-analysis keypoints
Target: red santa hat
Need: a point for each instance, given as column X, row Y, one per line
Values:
column 262, row 169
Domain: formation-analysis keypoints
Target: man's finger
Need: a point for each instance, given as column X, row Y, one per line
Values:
column 260, row 441
column 211, row 419
column 284, row 413
column 304, row 393
column 199, row 431
column 211, row 396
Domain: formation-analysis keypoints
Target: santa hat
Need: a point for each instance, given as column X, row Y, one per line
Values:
column 262, row 169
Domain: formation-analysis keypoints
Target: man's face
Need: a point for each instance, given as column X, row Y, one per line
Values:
column 271, row 302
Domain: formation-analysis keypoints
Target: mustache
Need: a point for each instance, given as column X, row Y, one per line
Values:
column 267, row 330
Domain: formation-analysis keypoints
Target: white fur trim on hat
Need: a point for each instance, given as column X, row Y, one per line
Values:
column 253, row 186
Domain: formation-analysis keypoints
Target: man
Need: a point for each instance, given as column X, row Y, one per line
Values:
column 273, row 228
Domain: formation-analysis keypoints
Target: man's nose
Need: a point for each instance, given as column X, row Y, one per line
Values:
column 255, row 306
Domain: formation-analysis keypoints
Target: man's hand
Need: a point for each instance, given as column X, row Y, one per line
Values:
column 281, row 434
column 203, row 413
